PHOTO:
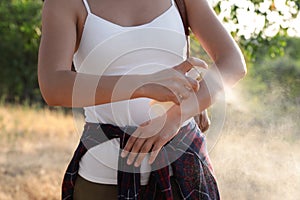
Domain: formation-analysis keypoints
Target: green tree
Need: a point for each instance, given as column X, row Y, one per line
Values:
column 19, row 35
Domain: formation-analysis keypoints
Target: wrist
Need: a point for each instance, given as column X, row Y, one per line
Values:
column 177, row 115
column 187, row 109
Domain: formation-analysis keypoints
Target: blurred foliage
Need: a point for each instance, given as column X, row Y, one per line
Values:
column 19, row 35
column 282, row 73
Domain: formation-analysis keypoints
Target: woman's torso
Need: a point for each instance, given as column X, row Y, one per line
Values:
column 108, row 48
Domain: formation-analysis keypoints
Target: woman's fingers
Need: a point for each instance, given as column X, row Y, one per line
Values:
column 149, row 138
column 154, row 153
column 193, row 83
column 135, row 150
column 184, row 67
column 183, row 87
column 197, row 62
column 141, row 148
column 177, row 93
column 173, row 84
column 181, row 92
column 144, row 151
column 189, row 63
column 131, row 141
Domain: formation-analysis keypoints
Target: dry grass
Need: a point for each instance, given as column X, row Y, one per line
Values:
column 254, row 159
column 35, row 148
column 252, row 162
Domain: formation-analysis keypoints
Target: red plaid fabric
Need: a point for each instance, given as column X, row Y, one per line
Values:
column 192, row 169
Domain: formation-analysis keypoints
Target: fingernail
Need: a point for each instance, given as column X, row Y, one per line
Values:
column 136, row 164
column 129, row 162
column 123, row 154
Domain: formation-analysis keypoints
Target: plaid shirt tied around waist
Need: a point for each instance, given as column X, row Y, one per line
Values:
column 191, row 166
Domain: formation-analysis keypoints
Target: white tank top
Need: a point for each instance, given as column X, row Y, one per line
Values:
column 110, row 49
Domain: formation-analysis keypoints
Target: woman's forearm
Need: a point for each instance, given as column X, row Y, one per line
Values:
column 72, row 89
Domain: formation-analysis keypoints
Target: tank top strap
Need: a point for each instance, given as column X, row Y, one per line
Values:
column 87, row 7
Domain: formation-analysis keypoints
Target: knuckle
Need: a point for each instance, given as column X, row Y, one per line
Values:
column 146, row 147
column 126, row 148
column 130, row 140
column 138, row 143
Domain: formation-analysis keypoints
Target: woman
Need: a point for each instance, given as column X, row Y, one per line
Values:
column 127, row 54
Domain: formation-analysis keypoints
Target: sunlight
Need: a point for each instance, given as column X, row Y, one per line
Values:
column 234, row 99
column 230, row 96
column 266, row 17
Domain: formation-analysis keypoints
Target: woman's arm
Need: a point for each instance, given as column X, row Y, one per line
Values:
column 229, row 64
column 61, row 86
column 216, row 41
column 228, row 68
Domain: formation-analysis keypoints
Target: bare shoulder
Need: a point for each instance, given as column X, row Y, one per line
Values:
column 60, row 19
column 66, row 8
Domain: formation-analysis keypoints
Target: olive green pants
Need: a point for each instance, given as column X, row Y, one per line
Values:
column 86, row 190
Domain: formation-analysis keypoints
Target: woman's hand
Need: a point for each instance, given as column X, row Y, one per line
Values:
column 152, row 136
column 172, row 84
